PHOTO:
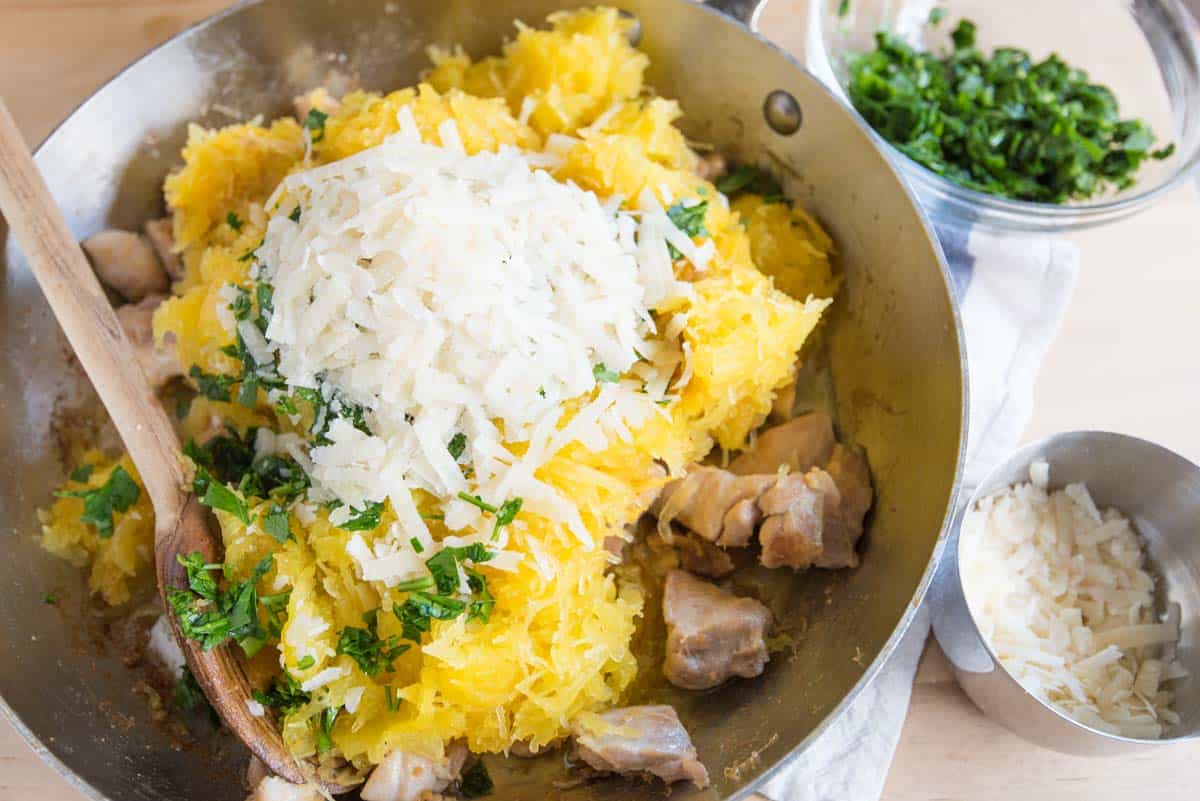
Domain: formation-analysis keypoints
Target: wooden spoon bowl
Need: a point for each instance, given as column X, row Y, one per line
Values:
column 182, row 525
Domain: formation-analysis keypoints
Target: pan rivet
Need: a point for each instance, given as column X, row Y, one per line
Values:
column 634, row 34
column 782, row 112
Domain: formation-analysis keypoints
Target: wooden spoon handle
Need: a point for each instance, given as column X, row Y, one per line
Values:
column 90, row 324
column 82, row 310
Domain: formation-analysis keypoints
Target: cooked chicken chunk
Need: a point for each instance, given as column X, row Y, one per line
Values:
column 712, row 635
column 161, row 234
column 808, row 515
column 409, row 777
column 714, row 503
column 712, row 166
column 727, row 510
column 848, row 471
column 159, row 364
column 817, row 518
column 702, row 557
column 163, row 649
column 256, row 771
column 318, row 98
column 645, row 740
column 801, row 443
column 126, row 262
column 792, row 534
column 273, row 788
column 615, row 546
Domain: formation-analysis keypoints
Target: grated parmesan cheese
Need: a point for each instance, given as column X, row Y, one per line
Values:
column 353, row 699
column 1059, row 591
column 323, row 677
column 164, row 648
column 447, row 294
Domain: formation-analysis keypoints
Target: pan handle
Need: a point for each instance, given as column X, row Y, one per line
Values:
column 744, row 11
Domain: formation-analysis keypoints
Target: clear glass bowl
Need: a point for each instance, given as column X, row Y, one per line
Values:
column 1146, row 51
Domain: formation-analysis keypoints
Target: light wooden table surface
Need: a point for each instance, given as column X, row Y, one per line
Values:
column 1125, row 360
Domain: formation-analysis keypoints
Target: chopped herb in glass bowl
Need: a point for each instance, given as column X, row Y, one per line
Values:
column 1001, row 123
column 1085, row 115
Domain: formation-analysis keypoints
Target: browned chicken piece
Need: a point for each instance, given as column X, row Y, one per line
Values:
column 712, row 635
column 641, row 740
column 265, row 787
column 318, row 98
column 848, row 472
column 822, row 517
column 615, row 546
column 256, row 771
column 410, row 777
column 726, row 510
column 161, row 234
column 702, row 557
column 125, row 262
column 792, row 534
column 714, row 503
column 159, row 364
column 809, row 514
column 801, row 443
column 712, row 166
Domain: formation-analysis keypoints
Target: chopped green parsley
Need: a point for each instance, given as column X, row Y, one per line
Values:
column 748, row 179
column 1000, row 123
column 365, row 519
column 212, row 616
column 215, row 495
column 329, row 716
column 314, row 123
column 213, row 386
column 475, row 781
column 604, row 375
column 443, row 565
column 188, row 696
column 690, row 220
column 364, row 646
column 392, row 698
column 505, row 513
column 82, row 473
column 275, row 523
column 284, row 695
column 114, row 496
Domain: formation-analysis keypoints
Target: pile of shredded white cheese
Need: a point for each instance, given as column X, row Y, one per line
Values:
column 470, row 297
column 1059, row 590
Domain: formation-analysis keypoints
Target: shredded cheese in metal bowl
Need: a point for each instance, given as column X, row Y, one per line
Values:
column 1060, row 591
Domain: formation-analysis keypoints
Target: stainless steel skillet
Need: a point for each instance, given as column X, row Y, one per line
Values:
column 896, row 372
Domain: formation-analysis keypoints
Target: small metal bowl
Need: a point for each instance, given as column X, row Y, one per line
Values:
column 1158, row 38
column 1160, row 492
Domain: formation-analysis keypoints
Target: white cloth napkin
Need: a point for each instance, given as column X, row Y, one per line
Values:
column 1012, row 292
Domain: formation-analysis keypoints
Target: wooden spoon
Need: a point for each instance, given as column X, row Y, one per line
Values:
column 181, row 523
